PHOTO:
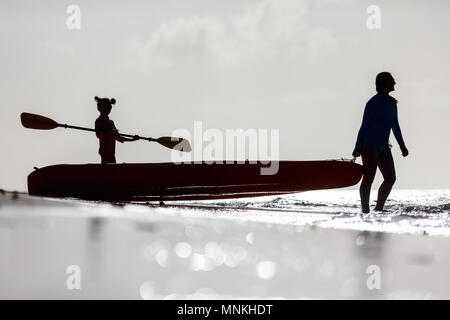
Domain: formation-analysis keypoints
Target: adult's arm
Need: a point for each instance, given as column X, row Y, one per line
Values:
column 366, row 122
column 397, row 131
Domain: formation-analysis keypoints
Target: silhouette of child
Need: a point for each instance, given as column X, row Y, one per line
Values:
column 107, row 132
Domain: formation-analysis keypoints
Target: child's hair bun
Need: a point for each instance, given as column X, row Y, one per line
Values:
column 105, row 102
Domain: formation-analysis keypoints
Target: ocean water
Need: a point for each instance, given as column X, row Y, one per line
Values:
column 269, row 247
column 408, row 211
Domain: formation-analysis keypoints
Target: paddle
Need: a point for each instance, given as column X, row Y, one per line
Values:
column 35, row 121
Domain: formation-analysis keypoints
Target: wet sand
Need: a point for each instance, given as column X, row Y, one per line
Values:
column 141, row 252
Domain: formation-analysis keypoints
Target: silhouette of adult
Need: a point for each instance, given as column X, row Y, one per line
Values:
column 380, row 116
column 107, row 132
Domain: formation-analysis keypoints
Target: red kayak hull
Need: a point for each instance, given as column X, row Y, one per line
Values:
column 188, row 181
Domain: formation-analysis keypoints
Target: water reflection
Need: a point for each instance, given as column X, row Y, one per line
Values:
column 94, row 252
column 370, row 260
column 370, row 244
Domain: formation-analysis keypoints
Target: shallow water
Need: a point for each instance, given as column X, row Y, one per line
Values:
column 221, row 251
column 408, row 211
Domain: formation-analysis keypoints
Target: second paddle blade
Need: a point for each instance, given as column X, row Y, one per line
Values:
column 35, row 121
column 179, row 144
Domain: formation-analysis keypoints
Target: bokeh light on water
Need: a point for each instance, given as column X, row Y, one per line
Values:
column 316, row 248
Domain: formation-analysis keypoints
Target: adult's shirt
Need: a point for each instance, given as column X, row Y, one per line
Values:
column 380, row 116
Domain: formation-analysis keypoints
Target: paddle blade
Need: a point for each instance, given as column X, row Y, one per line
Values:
column 35, row 121
column 179, row 144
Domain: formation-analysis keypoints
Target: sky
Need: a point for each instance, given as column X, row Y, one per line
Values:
column 306, row 68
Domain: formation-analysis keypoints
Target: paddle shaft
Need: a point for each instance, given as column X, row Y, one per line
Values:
column 66, row 126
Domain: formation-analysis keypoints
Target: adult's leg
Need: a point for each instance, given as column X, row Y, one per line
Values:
column 369, row 156
column 387, row 168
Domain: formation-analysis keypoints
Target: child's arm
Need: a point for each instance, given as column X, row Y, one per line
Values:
column 122, row 139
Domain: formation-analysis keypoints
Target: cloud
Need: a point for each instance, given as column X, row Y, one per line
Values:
column 182, row 39
column 267, row 30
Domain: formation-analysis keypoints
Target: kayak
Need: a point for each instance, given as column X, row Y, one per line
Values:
column 188, row 181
